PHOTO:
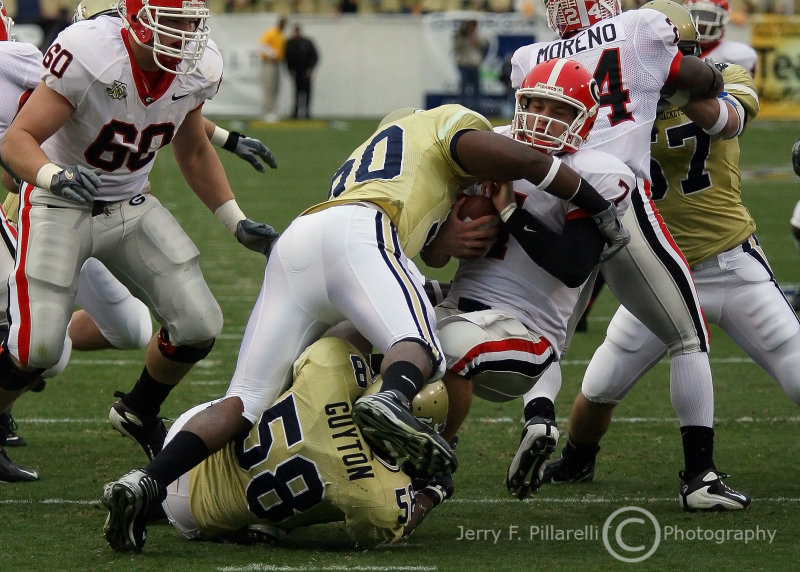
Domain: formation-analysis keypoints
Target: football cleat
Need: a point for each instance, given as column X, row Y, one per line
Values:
column 707, row 492
column 8, row 432
column 129, row 501
column 10, row 472
column 388, row 425
column 566, row 470
column 148, row 432
column 538, row 441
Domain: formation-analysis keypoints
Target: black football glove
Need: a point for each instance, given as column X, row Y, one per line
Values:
column 616, row 235
column 796, row 157
column 250, row 150
column 77, row 183
column 256, row 236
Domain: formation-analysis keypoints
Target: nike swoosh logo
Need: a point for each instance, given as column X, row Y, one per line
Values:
column 177, row 97
column 526, row 228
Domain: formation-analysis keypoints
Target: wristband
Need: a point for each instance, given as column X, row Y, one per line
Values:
column 229, row 214
column 722, row 120
column 220, row 136
column 507, row 211
column 551, row 174
column 44, row 176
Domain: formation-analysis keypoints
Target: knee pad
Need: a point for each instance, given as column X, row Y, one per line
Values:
column 494, row 351
column 62, row 362
column 181, row 354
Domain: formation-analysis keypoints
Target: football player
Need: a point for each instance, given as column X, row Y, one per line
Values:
column 346, row 259
column 504, row 322
column 156, row 69
column 704, row 213
column 711, row 19
column 19, row 70
column 701, row 483
column 242, row 491
column 635, row 56
column 110, row 317
column 246, row 148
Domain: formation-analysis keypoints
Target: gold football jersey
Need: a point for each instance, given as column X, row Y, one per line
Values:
column 305, row 462
column 406, row 168
column 696, row 179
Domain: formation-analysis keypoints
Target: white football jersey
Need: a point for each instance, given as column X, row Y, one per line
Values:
column 120, row 120
column 20, row 68
column 733, row 53
column 631, row 56
column 508, row 279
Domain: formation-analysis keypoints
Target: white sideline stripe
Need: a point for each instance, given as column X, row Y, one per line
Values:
column 275, row 568
column 487, row 420
column 538, row 499
column 654, row 420
column 209, row 363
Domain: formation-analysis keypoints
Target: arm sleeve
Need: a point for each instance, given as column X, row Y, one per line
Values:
column 570, row 255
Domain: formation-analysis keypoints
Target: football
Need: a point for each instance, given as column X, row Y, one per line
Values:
column 475, row 207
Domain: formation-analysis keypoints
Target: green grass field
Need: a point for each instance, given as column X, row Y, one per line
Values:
column 56, row 523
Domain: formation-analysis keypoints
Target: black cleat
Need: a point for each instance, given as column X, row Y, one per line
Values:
column 130, row 501
column 388, row 425
column 538, row 441
column 707, row 492
column 8, row 432
column 10, row 472
column 149, row 432
column 568, row 471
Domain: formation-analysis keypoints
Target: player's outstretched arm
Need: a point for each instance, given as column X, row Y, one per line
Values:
column 493, row 157
column 204, row 173
column 696, row 79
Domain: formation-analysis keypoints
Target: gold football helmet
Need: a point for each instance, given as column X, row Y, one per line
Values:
column 683, row 22
column 429, row 405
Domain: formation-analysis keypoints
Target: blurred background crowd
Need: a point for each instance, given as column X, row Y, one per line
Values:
column 51, row 15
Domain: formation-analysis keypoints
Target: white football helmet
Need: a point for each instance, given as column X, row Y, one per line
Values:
column 6, row 25
column 171, row 46
column 568, row 17
column 710, row 17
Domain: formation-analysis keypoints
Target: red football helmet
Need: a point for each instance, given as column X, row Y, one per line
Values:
column 170, row 45
column 566, row 17
column 710, row 17
column 6, row 24
column 564, row 81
